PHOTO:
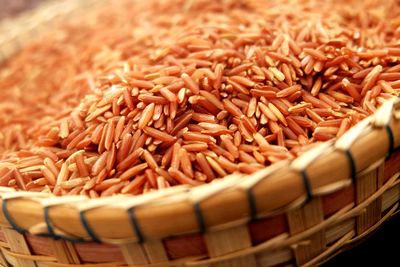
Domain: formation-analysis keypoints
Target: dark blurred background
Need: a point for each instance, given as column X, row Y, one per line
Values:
column 380, row 249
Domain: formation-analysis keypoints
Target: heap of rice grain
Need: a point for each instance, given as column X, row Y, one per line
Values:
column 185, row 92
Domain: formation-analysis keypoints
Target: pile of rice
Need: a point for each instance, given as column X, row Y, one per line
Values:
column 141, row 96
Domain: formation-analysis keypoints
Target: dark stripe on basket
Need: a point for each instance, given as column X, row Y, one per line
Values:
column 252, row 204
column 199, row 217
column 52, row 234
column 49, row 224
column 87, row 227
column 135, row 225
column 50, row 229
column 391, row 141
column 10, row 219
column 307, row 185
column 352, row 165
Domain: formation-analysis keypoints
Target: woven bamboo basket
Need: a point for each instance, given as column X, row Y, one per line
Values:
column 299, row 212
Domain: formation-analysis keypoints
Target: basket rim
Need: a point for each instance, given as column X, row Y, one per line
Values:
column 176, row 201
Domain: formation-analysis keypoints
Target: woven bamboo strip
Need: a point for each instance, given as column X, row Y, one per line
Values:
column 231, row 240
column 18, row 244
column 155, row 251
column 375, row 226
column 390, row 197
column 331, row 249
column 274, row 257
column 301, row 219
column 64, row 251
column 366, row 186
column 3, row 261
column 390, row 183
column 134, row 254
column 338, row 230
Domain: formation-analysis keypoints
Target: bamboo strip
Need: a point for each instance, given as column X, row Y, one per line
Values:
column 338, row 230
column 155, row 251
column 331, row 249
column 274, row 257
column 134, row 254
column 18, row 244
column 301, row 219
column 375, row 226
column 3, row 261
column 390, row 197
column 231, row 240
column 366, row 185
column 64, row 251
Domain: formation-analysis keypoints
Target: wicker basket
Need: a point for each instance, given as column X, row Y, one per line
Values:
column 298, row 212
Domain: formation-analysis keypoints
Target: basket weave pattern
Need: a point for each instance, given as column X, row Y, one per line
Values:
column 301, row 211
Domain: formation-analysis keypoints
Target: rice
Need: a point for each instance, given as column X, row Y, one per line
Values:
column 189, row 102
column 288, row 91
column 130, row 160
column 192, row 86
column 318, row 55
column 157, row 134
column 132, row 172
